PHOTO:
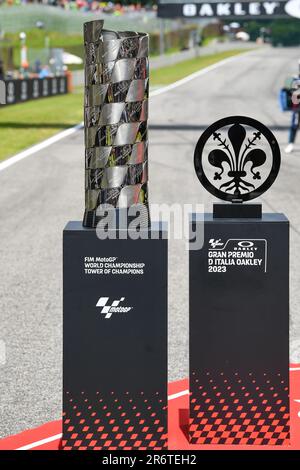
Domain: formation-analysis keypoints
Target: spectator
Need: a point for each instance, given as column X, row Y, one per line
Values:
column 38, row 66
column 295, row 124
column 45, row 72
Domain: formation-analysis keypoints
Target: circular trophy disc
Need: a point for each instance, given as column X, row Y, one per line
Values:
column 237, row 159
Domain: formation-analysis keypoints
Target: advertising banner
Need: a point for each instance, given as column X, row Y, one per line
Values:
column 18, row 91
column 229, row 10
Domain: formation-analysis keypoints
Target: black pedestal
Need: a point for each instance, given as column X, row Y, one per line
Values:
column 239, row 332
column 237, row 211
column 115, row 341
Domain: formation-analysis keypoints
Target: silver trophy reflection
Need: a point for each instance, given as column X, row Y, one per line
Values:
column 115, row 117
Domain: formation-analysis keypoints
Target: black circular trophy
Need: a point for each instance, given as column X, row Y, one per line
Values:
column 237, row 159
column 239, row 294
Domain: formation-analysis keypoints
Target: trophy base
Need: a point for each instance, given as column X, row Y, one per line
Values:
column 114, row 339
column 237, row 211
column 239, row 332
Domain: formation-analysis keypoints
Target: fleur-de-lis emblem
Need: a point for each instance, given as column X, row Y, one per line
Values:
column 238, row 158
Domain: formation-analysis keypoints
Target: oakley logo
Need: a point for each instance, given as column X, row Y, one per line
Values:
column 108, row 310
column 245, row 244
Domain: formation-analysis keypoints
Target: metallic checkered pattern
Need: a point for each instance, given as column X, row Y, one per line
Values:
column 116, row 135
column 124, row 91
column 128, row 421
column 92, row 31
column 116, row 74
column 239, row 408
column 123, row 197
column 109, row 156
column 115, row 117
column 113, row 46
column 112, row 177
column 116, row 113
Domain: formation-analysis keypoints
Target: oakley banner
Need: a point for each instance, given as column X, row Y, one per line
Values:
column 230, row 9
column 18, row 91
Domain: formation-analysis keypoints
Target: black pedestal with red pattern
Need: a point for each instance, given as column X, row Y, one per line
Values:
column 239, row 332
column 114, row 341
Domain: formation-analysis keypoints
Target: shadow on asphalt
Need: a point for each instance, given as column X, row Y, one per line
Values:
column 155, row 127
column 193, row 127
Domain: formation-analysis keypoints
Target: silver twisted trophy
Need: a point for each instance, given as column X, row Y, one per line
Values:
column 115, row 118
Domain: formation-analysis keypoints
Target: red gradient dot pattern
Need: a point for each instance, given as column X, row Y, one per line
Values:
column 239, row 409
column 111, row 421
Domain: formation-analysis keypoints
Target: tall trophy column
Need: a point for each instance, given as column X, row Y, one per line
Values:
column 239, row 294
column 116, row 114
column 115, row 277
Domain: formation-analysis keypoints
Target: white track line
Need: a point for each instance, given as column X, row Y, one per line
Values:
column 178, row 395
column 36, row 148
column 61, row 135
column 41, row 442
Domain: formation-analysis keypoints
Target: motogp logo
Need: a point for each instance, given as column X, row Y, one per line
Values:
column 108, row 310
column 215, row 243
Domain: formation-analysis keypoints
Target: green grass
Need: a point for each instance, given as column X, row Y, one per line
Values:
column 209, row 39
column 36, row 39
column 25, row 124
column 172, row 73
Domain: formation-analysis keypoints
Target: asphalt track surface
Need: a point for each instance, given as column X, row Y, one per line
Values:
column 42, row 192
